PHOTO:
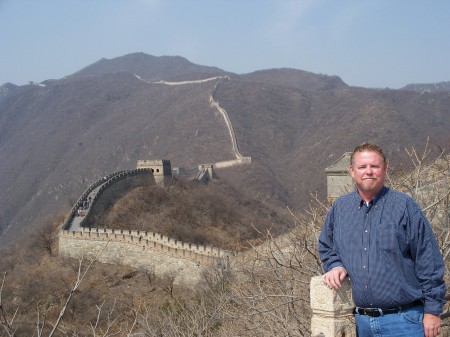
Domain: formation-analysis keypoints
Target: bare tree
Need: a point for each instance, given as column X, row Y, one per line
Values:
column 271, row 295
column 7, row 321
column 202, row 316
column 46, row 238
column 169, row 283
column 150, row 273
column 111, row 319
column 81, row 274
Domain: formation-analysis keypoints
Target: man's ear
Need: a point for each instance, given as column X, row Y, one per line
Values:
column 350, row 170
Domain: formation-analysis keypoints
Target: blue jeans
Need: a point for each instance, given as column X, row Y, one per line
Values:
column 406, row 323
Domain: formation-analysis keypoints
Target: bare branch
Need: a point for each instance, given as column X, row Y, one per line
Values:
column 7, row 323
column 80, row 277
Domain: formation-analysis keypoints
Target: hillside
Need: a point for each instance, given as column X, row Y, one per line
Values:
column 210, row 214
column 61, row 135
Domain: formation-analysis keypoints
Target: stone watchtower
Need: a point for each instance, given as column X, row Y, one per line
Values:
column 161, row 170
column 339, row 180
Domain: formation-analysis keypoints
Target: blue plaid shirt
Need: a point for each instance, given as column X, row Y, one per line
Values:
column 388, row 249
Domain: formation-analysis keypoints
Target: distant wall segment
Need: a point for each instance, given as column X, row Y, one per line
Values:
column 96, row 190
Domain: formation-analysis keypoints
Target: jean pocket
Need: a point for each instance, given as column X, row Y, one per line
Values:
column 413, row 316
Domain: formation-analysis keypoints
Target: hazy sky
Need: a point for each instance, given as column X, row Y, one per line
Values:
column 368, row 43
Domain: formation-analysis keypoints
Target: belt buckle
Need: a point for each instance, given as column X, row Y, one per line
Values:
column 372, row 312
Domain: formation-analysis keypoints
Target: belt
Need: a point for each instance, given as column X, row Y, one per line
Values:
column 376, row 312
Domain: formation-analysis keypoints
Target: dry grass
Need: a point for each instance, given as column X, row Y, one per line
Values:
column 213, row 214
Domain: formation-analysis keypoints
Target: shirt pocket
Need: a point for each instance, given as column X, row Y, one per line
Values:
column 387, row 236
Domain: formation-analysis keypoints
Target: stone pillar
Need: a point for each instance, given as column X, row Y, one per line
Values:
column 332, row 310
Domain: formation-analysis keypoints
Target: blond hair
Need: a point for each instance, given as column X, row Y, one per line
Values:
column 367, row 147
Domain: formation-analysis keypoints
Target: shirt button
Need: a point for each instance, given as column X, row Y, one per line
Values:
column 364, row 267
column 365, row 248
column 366, row 231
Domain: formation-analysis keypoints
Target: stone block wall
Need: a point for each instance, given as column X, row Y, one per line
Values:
column 144, row 250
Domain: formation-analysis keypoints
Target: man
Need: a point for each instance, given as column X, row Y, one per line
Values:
column 380, row 238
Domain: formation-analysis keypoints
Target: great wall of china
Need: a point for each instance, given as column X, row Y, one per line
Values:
column 143, row 250
column 240, row 159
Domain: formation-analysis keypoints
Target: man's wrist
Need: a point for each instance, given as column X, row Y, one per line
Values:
column 339, row 267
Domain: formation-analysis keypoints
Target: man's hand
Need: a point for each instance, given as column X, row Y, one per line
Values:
column 333, row 279
column 431, row 325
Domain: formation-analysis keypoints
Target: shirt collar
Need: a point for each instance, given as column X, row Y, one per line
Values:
column 375, row 199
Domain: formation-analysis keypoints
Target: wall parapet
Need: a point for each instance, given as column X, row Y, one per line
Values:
column 112, row 180
column 103, row 183
column 154, row 241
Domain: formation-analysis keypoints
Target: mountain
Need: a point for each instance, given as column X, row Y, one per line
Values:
column 5, row 89
column 58, row 136
column 294, row 78
column 149, row 67
column 428, row 87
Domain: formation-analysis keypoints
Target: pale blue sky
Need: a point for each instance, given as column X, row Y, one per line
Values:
column 368, row 43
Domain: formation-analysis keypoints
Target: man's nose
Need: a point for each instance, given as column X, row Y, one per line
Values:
column 369, row 169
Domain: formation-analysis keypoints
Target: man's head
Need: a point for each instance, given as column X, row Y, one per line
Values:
column 368, row 167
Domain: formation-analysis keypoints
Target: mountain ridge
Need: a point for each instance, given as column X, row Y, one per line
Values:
column 61, row 135
column 428, row 87
column 149, row 67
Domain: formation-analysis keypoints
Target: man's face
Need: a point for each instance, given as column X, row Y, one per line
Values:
column 369, row 171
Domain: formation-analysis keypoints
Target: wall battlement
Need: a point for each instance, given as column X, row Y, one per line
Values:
column 144, row 250
column 149, row 240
